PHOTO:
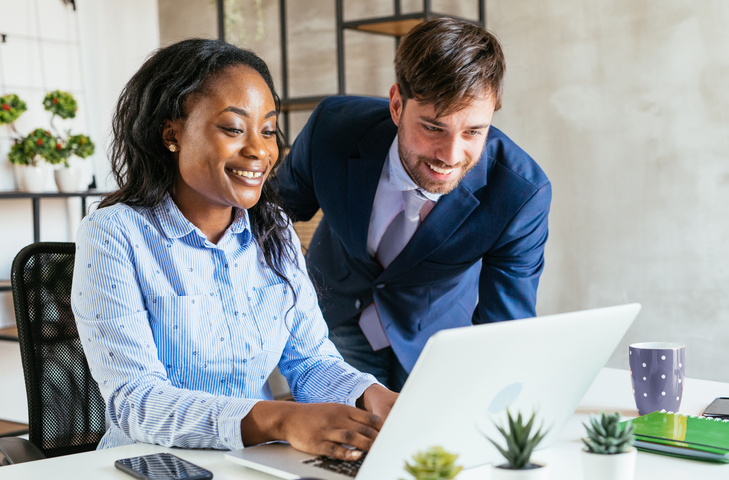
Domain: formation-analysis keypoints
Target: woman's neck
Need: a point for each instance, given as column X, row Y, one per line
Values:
column 212, row 220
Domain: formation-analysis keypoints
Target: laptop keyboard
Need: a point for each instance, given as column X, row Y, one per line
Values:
column 343, row 467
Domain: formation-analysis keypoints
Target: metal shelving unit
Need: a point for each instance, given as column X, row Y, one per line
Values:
column 395, row 25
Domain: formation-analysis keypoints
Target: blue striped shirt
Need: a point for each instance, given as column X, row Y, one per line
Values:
column 181, row 334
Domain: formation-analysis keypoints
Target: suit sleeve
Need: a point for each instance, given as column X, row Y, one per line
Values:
column 295, row 176
column 510, row 271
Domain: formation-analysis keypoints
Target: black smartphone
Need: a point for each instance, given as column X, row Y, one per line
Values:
column 162, row 466
column 719, row 408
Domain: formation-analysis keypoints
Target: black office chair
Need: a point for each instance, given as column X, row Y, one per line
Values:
column 65, row 408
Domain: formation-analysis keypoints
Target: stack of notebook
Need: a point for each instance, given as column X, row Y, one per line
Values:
column 687, row 436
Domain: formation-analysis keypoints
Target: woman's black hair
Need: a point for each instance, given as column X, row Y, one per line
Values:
column 141, row 164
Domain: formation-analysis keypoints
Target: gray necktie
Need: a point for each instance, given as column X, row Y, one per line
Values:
column 402, row 228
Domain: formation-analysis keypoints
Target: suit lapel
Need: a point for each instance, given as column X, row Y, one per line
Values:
column 363, row 177
column 441, row 223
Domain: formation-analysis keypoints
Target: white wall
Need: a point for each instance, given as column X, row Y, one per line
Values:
column 625, row 105
column 114, row 39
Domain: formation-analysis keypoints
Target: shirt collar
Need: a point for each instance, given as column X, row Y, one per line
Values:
column 175, row 225
column 399, row 178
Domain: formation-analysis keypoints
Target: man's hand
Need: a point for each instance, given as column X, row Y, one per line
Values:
column 316, row 428
column 378, row 400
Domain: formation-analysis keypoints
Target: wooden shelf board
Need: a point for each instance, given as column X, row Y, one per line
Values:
column 12, row 429
column 301, row 103
column 396, row 28
column 9, row 333
column 5, row 286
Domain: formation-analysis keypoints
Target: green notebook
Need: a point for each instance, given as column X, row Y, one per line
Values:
column 687, row 436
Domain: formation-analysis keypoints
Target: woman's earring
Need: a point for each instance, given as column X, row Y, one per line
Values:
column 172, row 148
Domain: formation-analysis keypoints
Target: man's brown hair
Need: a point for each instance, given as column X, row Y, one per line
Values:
column 448, row 63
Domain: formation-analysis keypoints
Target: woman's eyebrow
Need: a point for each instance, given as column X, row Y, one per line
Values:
column 244, row 113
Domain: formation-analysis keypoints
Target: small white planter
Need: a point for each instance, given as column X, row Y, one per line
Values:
column 67, row 179
column 31, row 179
column 18, row 177
column 541, row 473
column 620, row 466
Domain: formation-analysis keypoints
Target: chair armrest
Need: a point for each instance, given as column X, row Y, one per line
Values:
column 18, row 450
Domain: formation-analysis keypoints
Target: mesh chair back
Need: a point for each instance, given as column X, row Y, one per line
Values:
column 65, row 408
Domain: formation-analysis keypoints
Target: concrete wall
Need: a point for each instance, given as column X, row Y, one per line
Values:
column 625, row 105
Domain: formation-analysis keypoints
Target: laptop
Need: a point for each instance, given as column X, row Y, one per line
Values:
column 462, row 383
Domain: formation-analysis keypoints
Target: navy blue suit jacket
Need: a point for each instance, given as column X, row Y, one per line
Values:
column 476, row 258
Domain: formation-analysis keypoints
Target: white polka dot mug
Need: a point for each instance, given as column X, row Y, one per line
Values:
column 657, row 372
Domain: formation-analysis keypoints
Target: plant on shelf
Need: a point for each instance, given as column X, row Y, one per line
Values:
column 39, row 145
column 433, row 464
column 54, row 147
column 79, row 145
column 520, row 443
column 609, row 452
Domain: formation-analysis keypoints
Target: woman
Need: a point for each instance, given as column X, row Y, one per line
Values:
column 189, row 285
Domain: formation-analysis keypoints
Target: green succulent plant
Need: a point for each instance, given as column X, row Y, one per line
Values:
column 519, row 443
column 11, row 107
column 433, row 464
column 60, row 103
column 606, row 436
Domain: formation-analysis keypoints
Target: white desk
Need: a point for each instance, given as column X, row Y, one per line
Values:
column 611, row 391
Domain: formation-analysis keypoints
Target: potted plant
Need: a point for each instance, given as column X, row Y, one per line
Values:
column 27, row 155
column 67, row 176
column 609, row 452
column 520, row 444
column 433, row 464
column 11, row 108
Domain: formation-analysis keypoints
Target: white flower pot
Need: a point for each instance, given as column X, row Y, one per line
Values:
column 541, row 473
column 32, row 179
column 67, row 179
column 18, row 177
column 619, row 466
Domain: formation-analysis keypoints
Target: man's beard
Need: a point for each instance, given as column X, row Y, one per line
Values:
column 411, row 162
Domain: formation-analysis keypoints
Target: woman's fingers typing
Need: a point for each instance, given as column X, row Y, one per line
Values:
column 329, row 429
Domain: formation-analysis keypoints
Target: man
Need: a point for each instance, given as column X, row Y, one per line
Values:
column 432, row 218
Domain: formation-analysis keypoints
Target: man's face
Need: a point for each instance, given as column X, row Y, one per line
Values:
column 437, row 152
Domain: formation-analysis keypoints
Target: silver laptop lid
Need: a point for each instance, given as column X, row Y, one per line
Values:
column 465, row 378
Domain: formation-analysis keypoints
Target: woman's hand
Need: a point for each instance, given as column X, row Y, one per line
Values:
column 317, row 428
column 378, row 400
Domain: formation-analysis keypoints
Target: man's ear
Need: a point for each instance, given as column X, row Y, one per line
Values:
column 396, row 103
column 169, row 135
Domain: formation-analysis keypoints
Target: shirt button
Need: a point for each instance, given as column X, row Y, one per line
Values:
column 380, row 285
column 357, row 304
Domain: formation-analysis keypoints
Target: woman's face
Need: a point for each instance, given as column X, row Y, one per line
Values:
column 227, row 143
